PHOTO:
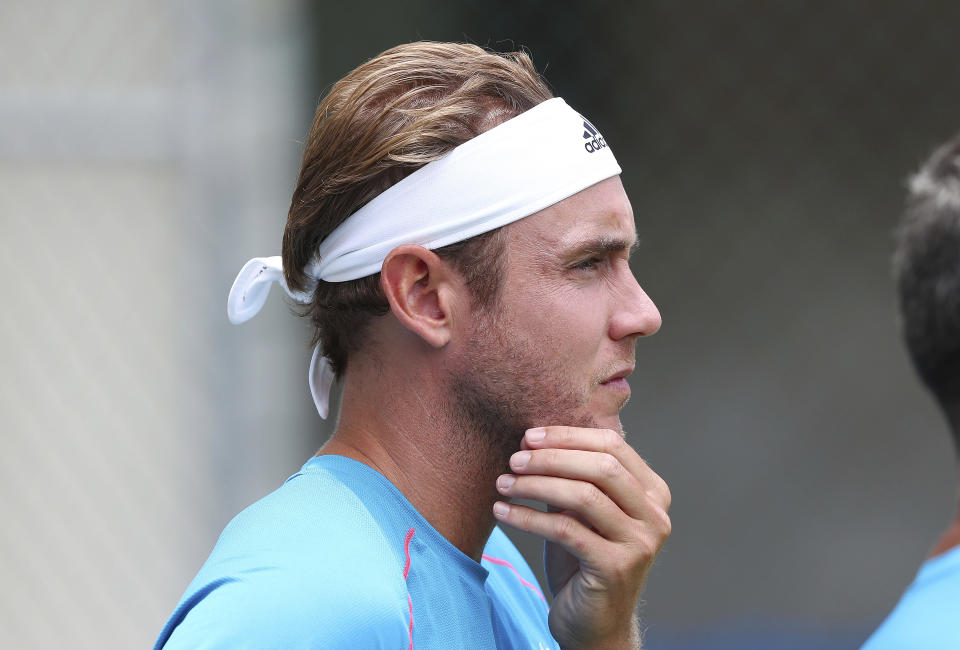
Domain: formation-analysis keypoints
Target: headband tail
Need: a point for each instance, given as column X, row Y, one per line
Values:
column 251, row 288
column 321, row 381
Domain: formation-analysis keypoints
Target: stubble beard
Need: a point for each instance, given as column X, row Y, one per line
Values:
column 502, row 387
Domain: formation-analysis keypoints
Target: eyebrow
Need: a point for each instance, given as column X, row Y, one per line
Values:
column 603, row 246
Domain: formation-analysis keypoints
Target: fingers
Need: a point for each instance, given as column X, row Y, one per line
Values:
column 588, row 546
column 598, row 469
column 601, row 471
column 584, row 499
column 604, row 491
column 545, row 444
column 605, row 524
column 560, row 528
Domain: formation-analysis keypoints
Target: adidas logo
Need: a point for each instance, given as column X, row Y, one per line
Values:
column 594, row 141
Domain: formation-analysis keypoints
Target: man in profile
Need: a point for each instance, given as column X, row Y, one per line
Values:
column 460, row 241
column 927, row 270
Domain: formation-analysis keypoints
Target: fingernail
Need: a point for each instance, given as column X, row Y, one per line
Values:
column 505, row 481
column 520, row 459
column 535, row 435
column 500, row 509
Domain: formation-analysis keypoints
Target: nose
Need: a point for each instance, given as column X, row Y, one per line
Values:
column 633, row 313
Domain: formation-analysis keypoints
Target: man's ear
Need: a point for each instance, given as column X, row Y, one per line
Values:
column 422, row 290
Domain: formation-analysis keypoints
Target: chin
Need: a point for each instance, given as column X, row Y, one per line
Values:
column 606, row 415
column 609, row 422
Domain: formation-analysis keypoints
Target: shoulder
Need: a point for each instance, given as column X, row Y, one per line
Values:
column 308, row 562
column 276, row 610
column 926, row 615
column 313, row 526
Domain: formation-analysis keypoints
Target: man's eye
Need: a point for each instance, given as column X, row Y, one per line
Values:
column 589, row 263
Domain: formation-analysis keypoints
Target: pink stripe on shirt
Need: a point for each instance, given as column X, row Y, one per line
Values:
column 525, row 583
column 406, row 572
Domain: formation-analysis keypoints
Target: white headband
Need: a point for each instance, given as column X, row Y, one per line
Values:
column 520, row 167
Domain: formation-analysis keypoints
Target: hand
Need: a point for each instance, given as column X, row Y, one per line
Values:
column 606, row 523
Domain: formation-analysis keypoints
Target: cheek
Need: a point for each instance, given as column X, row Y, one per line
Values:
column 570, row 321
column 569, row 314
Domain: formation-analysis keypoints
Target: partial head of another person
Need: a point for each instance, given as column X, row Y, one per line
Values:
column 927, row 272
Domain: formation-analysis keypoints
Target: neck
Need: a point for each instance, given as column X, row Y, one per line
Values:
column 402, row 431
column 950, row 538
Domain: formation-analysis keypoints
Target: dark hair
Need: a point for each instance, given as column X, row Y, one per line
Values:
column 407, row 107
column 927, row 271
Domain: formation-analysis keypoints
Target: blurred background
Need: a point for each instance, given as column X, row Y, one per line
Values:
column 148, row 149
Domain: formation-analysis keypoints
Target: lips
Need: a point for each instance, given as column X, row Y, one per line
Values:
column 622, row 374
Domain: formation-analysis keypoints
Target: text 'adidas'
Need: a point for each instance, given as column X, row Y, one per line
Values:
column 594, row 141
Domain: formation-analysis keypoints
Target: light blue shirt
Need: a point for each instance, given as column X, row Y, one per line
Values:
column 339, row 558
column 928, row 615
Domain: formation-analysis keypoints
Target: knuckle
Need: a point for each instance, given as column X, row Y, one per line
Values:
column 659, row 496
column 612, row 440
column 565, row 528
column 666, row 524
column 590, row 496
column 521, row 516
column 545, row 457
column 609, row 467
column 666, row 495
column 647, row 547
column 658, row 524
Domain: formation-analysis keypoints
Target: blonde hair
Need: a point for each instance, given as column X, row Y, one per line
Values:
column 395, row 113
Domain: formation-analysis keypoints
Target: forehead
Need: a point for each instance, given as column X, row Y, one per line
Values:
column 600, row 211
